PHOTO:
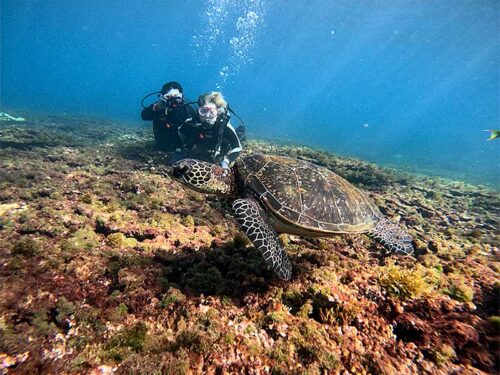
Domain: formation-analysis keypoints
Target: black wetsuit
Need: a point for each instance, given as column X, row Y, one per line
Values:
column 165, row 126
column 203, row 142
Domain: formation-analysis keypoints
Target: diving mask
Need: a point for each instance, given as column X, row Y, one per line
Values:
column 208, row 110
column 208, row 113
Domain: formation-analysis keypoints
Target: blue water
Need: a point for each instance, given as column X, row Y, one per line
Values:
column 403, row 83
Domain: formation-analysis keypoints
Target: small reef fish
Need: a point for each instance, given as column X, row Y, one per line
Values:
column 494, row 134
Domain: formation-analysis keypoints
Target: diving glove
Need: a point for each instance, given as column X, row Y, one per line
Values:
column 224, row 164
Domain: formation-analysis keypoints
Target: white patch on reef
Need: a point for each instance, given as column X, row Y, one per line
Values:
column 4, row 116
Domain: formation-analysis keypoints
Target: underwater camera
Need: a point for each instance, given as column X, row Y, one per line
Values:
column 173, row 102
column 170, row 102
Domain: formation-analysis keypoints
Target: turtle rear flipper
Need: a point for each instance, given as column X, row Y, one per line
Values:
column 392, row 237
column 256, row 226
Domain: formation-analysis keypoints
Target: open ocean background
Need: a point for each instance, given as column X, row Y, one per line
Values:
column 409, row 84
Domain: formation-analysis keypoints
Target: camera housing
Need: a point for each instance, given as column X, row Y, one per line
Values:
column 174, row 102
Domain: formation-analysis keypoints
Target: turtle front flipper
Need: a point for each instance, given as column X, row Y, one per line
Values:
column 392, row 237
column 256, row 226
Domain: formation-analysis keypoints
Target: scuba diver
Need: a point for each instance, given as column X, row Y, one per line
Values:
column 167, row 114
column 208, row 135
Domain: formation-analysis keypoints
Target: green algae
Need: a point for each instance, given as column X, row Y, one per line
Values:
column 127, row 339
column 443, row 354
column 203, row 278
column 188, row 221
column 173, row 296
column 119, row 312
column 458, row 289
column 82, row 239
column 26, row 246
column 217, row 230
column 495, row 320
column 281, row 353
column 194, row 340
column 334, row 312
column 64, row 309
column 279, row 316
column 404, row 283
column 119, row 240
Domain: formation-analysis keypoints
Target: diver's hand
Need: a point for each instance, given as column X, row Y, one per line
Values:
column 159, row 106
column 224, row 164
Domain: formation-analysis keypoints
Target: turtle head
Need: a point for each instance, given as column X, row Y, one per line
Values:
column 203, row 176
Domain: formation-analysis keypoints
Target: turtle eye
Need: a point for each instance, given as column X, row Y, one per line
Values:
column 180, row 170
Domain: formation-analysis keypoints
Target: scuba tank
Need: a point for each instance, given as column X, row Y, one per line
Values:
column 241, row 129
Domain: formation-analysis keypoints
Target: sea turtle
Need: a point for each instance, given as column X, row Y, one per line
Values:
column 273, row 194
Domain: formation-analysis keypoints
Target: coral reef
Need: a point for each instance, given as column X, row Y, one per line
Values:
column 110, row 266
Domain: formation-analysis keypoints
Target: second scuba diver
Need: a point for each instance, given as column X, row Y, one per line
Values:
column 208, row 135
column 168, row 114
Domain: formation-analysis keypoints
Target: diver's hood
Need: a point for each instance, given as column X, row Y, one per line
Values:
column 173, row 92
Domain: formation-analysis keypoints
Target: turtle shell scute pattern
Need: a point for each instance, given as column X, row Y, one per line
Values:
column 308, row 195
